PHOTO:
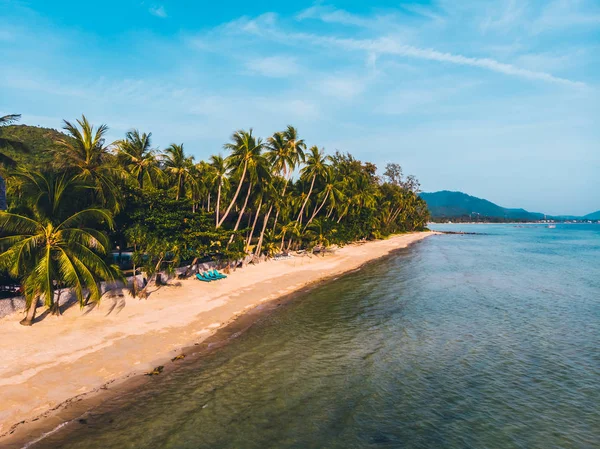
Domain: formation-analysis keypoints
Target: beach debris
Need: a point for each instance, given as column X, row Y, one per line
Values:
column 156, row 371
column 179, row 357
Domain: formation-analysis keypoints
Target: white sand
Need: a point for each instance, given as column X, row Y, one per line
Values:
column 62, row 357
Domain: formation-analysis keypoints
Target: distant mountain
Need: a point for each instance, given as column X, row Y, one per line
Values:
column 446, row 204
column 593, row 216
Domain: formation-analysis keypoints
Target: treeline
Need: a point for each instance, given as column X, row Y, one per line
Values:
column 259, row 198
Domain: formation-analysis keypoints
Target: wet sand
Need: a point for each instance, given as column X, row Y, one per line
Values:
column 58, row 367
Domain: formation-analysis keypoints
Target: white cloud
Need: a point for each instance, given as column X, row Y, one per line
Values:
column 341, row 86
column 265, row 26
column 509, row 16
column 560, row 14
column 274, row 66
column 331, row 15
column 158, row 11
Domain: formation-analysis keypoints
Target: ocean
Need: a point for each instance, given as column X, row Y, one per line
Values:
column 460, row 341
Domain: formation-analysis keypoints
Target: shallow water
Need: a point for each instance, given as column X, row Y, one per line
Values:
column 462, row 341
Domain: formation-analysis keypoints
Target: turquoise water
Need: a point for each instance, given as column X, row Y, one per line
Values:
column 461, row 341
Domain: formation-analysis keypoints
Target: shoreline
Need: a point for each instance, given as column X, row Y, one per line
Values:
column 39, row 396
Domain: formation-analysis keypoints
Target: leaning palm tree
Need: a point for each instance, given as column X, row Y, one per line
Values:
column 332, row 191
column 180, row 167
column 315, row 167
column 86, row 151
column 285, row 151
column 45, row 256
column 137, row 156
column 219, row 178
column 5, row 159
column 244, row 149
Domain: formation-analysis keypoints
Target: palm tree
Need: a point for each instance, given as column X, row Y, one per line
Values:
column 262, row 179
column 219, row 178
column 316, row 166
column 179, row 166
column 285, row 152
column 45, row 256
column 138, row 157
column 333, row 191
column 244, row 149
column 87, row 153
column 258, row 172
column 4, row 159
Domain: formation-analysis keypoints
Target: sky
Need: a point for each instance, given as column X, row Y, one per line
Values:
column 498, row 99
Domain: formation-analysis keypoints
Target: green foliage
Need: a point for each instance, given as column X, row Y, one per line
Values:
column 171, row 211
column 29, row 146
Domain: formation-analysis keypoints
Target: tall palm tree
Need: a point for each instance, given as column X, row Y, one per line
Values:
column 257, row 173
column 332, row 191
column 285, row 152
column 219, row 178
column 86, row 151
column 262, row 179
column 46, row 256
column 179, row 166
column 316, row 166
column 138, row 157
column 4, row 159
column 244, row 149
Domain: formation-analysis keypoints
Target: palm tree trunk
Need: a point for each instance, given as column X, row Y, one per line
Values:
column 262, row 232
column 30, row 316
column 237, row 192
column 254, row 224
column 141, row 179
column 208, row 205
column 312, row 184
column 152, row 280
column 237, row 223
column 282, row 196
column 218, row 204
column 315, row 213
column 188, row 270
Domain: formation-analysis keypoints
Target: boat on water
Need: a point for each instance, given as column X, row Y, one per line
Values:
column 551, row 226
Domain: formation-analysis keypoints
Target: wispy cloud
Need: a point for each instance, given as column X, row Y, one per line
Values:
column 508, row 15
column 274, row 66
column 342, row 87
column 158, row 11
column 388, row 45
column 332, row 15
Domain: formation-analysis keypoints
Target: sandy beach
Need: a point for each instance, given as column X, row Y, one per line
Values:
column 59, row 358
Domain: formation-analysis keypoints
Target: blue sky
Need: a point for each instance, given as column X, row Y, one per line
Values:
column 499, row 99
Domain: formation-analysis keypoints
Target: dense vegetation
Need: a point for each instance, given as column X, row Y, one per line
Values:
column 73, row 197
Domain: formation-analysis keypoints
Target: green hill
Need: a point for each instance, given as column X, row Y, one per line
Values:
column 446, row 204
column 29, row 145
column 593, row 216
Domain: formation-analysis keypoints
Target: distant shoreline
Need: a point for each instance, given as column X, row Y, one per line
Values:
column 103, row 352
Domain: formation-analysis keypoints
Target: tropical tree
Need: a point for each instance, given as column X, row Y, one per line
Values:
column 47, row 256
column 219, row 178
column 179, row 167
column 285, row 150
column 332, row 191
column 5, row 159
column 138, row 158
column 86, row 151
column 244, row 149
column 316, row 166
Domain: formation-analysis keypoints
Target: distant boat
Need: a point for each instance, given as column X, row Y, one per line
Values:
column 551, row 226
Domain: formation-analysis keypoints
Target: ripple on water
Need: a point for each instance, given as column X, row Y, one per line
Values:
column 459, row 342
